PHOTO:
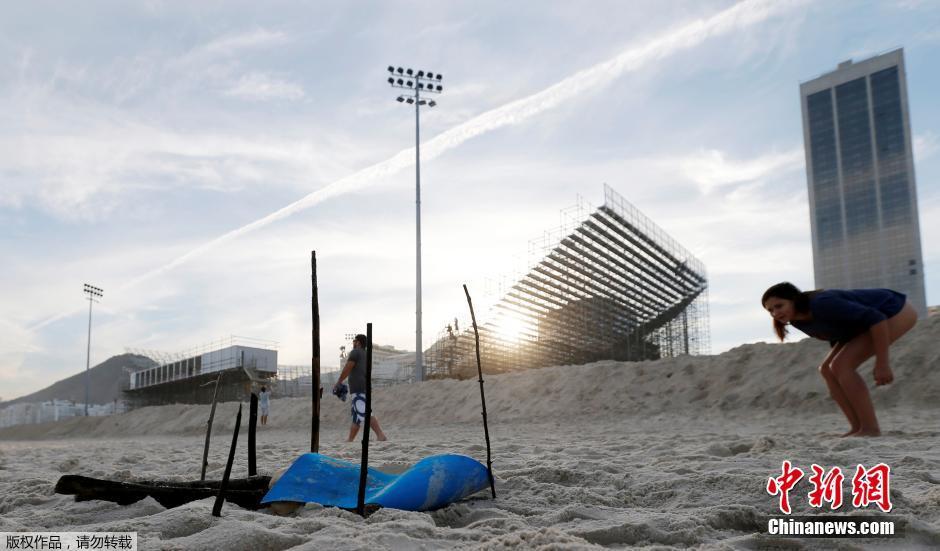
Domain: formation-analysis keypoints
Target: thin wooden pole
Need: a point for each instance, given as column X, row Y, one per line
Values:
column 486, row 430
column 315, row 359
column 364, row 465
column 220, row 499
column 252, row 427
column 205, row 452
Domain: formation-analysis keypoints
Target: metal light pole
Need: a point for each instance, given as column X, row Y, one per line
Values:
column 93, row 293
column 416, row 82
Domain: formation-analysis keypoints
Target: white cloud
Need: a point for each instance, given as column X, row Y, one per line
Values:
column 235, row 43
column 925, row 145
column 15, row 344
column 260, row 86
column 911, row 4
column 86, row 174
column 712, row 169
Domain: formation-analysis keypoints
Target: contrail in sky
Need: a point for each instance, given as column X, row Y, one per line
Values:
column 737, row 17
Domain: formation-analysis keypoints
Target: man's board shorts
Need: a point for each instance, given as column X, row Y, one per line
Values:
column 357, row 407
column 264, row 410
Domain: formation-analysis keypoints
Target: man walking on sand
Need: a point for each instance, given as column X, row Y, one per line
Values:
column 355, row 370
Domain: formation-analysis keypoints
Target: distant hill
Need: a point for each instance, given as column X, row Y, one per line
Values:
column 105, row 380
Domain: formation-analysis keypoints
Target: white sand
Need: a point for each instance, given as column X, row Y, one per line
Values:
column 668, row 454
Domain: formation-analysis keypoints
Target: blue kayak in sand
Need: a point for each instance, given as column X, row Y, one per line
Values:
column 432, row 483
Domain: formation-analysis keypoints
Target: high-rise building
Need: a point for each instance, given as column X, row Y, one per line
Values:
column 860, row 172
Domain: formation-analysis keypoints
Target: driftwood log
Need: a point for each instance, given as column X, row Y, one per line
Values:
column 244, row 492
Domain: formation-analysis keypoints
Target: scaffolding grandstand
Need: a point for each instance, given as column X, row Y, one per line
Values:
column 607, row 284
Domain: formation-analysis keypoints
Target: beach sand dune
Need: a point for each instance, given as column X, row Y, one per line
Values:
column 668, row 454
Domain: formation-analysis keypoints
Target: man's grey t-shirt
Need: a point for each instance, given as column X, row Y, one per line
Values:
column 357, row 377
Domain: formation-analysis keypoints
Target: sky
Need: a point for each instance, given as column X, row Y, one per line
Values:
column 187, row 157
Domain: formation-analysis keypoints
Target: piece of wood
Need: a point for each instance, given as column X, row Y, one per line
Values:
column 315, row 390
column 220, row 499
column 205, row 452
column 244, row 492
column 252, row 428
column 364, row 465
column 486, row 430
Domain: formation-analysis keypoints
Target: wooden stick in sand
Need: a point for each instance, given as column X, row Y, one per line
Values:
column 205, row 452
column 315, row 361
column 364, row 465
column 486, row 430
column 220, row 499
column 252, row 427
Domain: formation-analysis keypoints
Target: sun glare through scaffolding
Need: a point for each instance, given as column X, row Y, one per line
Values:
column 609, row 284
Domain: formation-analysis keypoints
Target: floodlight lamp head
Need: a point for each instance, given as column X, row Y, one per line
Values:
column 440, row 88
column 409, row 71
column 391, row 69
column 93, row 291
column 400, row 82
column 439, row 76
column 430, row 74
column 400, row 70
column 420, row 73
column 422, row 102
column 400, row 99
column 410, row 84
column 432, row 103
column 391, row 80
column 410, row 100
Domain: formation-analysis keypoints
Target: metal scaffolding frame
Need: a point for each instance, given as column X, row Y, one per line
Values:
column 608, row 283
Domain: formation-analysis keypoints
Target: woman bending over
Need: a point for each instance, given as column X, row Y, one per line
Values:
column 858, row 324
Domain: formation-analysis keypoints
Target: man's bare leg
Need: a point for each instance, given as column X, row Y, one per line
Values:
column 374, row 423
column 353, row 430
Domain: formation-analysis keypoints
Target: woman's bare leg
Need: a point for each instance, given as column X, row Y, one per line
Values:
column 838, row 395
column 854, row 354
column 835, row 391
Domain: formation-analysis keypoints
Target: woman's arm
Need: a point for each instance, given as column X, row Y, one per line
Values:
column 880, row 340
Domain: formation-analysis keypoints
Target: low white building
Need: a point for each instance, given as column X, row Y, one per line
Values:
column 30, row 413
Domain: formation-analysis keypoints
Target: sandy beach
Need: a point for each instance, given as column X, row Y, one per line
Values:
column 670, row 454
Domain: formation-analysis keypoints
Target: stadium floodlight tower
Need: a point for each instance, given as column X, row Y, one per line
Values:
column 416, row 83
column 92, row 293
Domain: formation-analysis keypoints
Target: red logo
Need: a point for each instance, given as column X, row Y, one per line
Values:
column 871, row 486
column 826, row 488
column 783, row 484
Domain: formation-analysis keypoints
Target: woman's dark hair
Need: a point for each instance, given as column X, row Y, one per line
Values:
column 787, row 291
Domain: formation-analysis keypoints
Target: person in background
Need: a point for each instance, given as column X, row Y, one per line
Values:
column 264, row 404
column 858, row 324
column 355, row 370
